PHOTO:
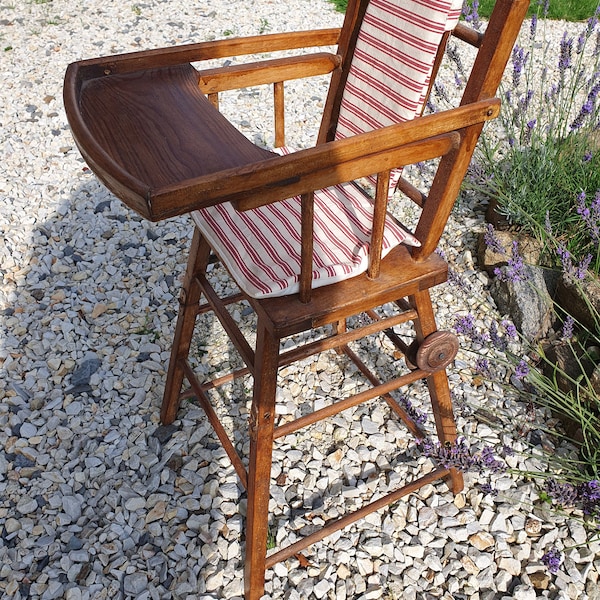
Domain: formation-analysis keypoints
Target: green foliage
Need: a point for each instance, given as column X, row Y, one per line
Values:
column 569, row 10
column 340, row 5
column 542, row 166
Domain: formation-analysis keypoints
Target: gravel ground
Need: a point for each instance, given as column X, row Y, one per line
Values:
column 96, row 499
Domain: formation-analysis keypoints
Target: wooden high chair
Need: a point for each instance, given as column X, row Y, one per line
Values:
column 306, row 246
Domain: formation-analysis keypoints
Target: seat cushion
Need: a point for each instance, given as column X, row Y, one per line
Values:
column 261, row 247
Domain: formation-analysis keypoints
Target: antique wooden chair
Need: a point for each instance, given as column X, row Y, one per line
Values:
column 306, row 248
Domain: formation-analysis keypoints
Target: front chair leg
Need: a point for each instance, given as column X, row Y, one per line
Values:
column 184, row 330
column 262, row 416
column 439, row 390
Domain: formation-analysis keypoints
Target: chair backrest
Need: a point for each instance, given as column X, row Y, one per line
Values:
column 393, row 59
column 390, row 50
column 435, row 20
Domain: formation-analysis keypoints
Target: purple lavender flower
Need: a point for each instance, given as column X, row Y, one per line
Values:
column 515, row 268
column 551, row 95
column 482, row 365
column 490, row 462
column 519, row 60
column 587, row 108
column 419, row 417
column 454, row 56
column 589, row 495
column 523, row 105
column 552, row 560
column 563, row 494
column 529, row 130
column 458, row 455
column 492, row 241
column 567, row 328
column 511, row 330
column 471, row 13
column 587, row 157
column 592, row 23
column 521, row 370
column 488, row 488
column 582, row 268
column 533, row 27
column 507, row 450
column 497, row 340
column 572, row 272
column 581, row 42
column 590, row 215
column 440, row 91
column 456, row 279
column 466, row 326
column 564, row 59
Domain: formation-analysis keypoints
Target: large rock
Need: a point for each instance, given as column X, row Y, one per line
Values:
column 490, row 259
column 582, row 301
column 526, row 301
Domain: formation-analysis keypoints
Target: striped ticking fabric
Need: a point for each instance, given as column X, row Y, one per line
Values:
column 261, row 247
column 390, row 73
column 393, row 61
column 387, row 83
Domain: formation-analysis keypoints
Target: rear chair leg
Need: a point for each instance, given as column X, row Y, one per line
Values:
column 184, row 330
column 439, row 390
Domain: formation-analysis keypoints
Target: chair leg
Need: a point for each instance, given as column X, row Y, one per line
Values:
column 261, row 425
column 184, row 330
column 439, row 390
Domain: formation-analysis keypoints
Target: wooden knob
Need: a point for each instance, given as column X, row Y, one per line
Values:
column 437, row 351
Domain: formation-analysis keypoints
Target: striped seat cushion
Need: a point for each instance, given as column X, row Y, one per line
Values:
column 387, row 84
column 261, row 247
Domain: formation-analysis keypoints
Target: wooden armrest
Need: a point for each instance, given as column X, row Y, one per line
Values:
column 301, row 172
column 158, row 143
column 187, row 53
column 267, row 71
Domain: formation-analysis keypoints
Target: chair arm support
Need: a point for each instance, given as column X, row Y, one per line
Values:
column 325, row 165
column 176, row 55
column 267, row 71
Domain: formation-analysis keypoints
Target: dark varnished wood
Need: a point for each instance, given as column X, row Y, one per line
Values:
column 399, row 276
column 158, row 127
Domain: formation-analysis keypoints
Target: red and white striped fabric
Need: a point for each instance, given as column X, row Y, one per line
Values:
column 393, row 61
column 390, row 73
column 389, row 76
column 261, row 247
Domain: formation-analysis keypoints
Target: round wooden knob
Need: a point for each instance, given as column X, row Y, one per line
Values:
column 437, row 351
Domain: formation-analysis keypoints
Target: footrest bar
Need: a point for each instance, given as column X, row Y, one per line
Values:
column 350, row 518
column 391, row 401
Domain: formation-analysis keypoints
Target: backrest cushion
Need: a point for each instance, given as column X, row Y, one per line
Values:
column 393, row 60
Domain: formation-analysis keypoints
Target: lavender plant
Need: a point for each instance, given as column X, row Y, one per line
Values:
column 541, row 164
column 568, row 481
